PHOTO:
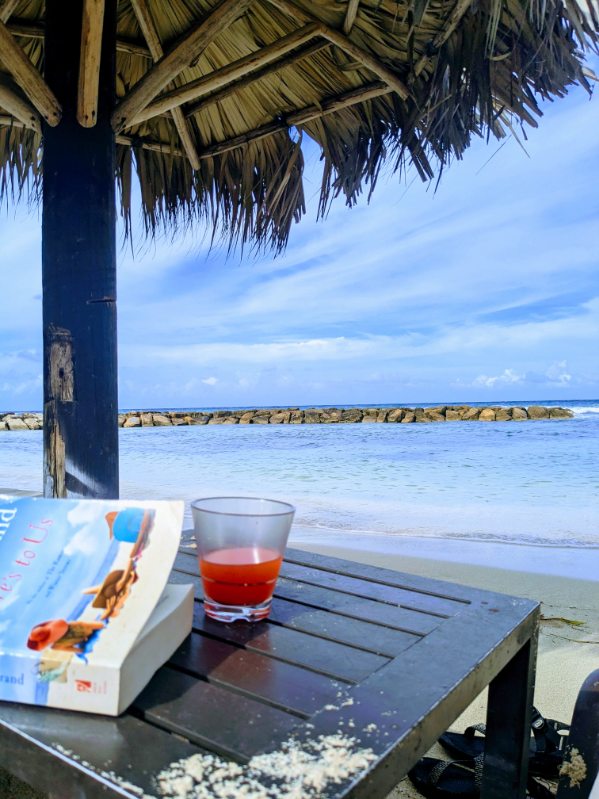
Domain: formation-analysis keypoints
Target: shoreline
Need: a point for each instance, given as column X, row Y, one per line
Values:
column 446, row 555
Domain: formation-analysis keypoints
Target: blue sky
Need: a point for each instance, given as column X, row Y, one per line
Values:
column 486, row 289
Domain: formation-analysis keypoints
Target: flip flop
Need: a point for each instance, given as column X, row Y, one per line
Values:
column 441, row 779
column 546, row 748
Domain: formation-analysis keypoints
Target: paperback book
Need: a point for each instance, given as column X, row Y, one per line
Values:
column 86, row 614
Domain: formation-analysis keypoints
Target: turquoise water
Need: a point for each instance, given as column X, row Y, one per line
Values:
column 525, row 482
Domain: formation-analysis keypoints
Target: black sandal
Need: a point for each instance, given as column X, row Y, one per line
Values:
column 546, row 749
column 442, row 779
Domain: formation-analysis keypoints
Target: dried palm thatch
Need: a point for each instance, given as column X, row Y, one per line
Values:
column 213, row 98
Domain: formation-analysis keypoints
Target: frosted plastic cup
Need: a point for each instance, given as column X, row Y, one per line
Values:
column 240, row 543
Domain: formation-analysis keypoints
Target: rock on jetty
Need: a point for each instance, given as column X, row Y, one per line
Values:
column 440, row 413
column 21, row 421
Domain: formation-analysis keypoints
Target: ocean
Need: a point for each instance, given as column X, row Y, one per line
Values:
column 533, row 483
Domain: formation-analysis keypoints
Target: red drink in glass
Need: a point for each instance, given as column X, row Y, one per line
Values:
column 240, row 575
column 240, row 543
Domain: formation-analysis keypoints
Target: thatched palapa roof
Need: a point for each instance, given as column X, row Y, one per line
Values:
column 214, row 97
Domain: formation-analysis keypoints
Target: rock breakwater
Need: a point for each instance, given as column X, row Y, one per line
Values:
column 399, row 415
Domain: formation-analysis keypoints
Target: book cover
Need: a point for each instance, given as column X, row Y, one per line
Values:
column 79, row 582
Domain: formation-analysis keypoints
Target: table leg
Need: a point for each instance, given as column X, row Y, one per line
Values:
column 507, row 737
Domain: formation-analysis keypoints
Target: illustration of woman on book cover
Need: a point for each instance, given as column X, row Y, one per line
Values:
column 126, row 526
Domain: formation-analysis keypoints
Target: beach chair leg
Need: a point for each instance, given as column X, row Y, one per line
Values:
column 581, row 761
column 507, row 736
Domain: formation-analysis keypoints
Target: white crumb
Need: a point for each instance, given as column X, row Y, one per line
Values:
column 296, row 771
column 574, row 768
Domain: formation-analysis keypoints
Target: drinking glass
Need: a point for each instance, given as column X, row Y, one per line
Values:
column 240, row 543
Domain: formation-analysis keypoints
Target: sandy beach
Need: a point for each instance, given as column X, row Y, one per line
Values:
column 563, row 580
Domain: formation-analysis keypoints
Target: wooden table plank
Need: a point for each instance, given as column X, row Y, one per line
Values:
column 427, row 603
column 351, row 568
column 366, row 635
column 369, row 636
column 378, row 574
column 336, row 660
column 363, row 634
column 357, row 607
column 186, row 706
column 282, row 685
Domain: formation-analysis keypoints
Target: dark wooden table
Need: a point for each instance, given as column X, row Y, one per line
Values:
column 388, row 658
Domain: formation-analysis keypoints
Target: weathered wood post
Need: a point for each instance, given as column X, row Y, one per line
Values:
column 79, row 266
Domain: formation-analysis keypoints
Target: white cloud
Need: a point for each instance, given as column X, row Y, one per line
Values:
column 210, row 381
column 557, row 373
column 312, row 350
column 82, row 513
column 507, row 377
column 81, row 518
column 82, row 543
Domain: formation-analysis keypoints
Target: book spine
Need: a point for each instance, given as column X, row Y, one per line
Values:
column 94, row 689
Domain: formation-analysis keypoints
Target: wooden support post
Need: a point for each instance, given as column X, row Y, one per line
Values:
column 89, row 66
column 18, row 106
column 6, row 121
column 79, row 270
column 28, row 78
column 350, row 16
column 6, row 9
column 150, row 32
column 507, row 738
